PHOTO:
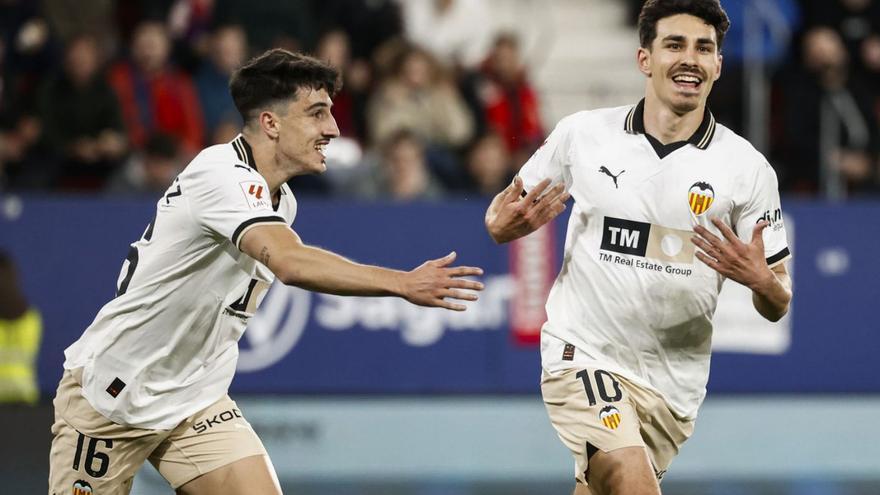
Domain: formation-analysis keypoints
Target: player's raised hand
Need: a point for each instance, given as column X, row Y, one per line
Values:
column 731, row 257
column 511, row 216
column 435, row 281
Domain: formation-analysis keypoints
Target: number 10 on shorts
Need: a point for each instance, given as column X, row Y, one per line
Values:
column 600, row 378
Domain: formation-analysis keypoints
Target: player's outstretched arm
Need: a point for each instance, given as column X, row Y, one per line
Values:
column 511, row 216
column 434, row 283
column 745, row 263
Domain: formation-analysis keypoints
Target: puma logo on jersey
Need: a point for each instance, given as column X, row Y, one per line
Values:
column 604, row 170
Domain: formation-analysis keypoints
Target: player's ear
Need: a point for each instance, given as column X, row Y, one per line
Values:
column 718, row 70
column 269, row 123
column 643, row 58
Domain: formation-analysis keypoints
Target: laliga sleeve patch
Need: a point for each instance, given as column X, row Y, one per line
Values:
column 256, row 194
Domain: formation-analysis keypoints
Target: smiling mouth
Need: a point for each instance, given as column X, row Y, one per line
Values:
column 321, row 147
column 688, row 82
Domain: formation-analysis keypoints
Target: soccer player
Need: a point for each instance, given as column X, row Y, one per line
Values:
column 148, row 379
column 668, row 204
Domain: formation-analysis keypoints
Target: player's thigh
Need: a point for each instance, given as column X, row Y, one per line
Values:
column 625, row 471
column 208, row 441
column 591, row 411
column 89, row 453
column 253, row 475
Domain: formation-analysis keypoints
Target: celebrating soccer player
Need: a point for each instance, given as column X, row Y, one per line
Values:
column 668, row 204
column 148, row 379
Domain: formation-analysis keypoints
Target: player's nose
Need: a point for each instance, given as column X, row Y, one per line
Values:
column 331, row 130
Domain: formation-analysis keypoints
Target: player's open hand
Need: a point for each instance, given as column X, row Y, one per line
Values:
column 435, row 282
column 510, row 216
column 736, row 260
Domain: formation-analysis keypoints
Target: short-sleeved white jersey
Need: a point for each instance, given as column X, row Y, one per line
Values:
column 631, row 297
column 167, row 345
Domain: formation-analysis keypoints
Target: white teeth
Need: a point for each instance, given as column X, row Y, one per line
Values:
column 687, row 79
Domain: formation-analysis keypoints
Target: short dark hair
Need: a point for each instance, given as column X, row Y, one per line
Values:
column 707, row 10
column 277, row 75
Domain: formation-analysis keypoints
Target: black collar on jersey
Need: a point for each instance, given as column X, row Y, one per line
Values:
column 244, row 151
column 635, row 124
column 246, row 155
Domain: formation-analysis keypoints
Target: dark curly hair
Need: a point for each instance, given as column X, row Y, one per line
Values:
column 277, row 75
column 707, row 10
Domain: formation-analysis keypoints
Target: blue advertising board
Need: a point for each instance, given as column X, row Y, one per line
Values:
column 69, row 252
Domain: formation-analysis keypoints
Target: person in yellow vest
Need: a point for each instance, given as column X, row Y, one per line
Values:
column 21, row 329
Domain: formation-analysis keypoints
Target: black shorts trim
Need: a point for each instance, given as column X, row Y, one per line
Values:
column 251, row 221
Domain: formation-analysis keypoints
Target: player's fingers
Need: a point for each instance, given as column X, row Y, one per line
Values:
column 463, row 283
column 704, row 233
column 726, row 231
column 441, row 303
column 446, row 260
column 558, row 198
column 464, row 271
column 514, row 190
column 758, row 233
column 460, row 295
column 708, row 260
column 536, row 192
column 552, row 211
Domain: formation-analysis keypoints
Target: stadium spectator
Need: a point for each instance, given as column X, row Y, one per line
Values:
column 69, row 19
column 871, row 61
column 227, row 50
column 369, row 24
column 19, row 132
column 401, row 172
column 829, row 131
column 419, row 97
column 21, row 330
column 349, row 106
column 155, row 95
column 149, row 171
column 509, row 101
column 758, row 41
column 854, row 20
column 81, row 119
column 285, row 24
column 458, row 33
column 489, row 164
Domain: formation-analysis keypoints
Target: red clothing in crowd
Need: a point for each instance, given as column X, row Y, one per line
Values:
column 165, row 103
column 513, row 112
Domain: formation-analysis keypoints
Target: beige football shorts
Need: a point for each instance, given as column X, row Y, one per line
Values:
column 91, row 454
column 592, row 409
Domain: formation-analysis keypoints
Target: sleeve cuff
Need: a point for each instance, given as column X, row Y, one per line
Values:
column 778, row 257
column 251, row 223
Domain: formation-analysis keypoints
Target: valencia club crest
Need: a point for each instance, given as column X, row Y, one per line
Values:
column 700, row 197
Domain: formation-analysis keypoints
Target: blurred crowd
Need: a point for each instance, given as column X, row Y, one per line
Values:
column 117, row 96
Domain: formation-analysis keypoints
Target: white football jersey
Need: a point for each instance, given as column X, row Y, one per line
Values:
column 631, row 296
column 167, row 345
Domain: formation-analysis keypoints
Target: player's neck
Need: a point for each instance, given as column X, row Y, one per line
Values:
column 266, row 164
column 667, row 126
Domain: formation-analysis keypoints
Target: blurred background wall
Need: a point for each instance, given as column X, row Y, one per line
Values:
column 102, row 103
